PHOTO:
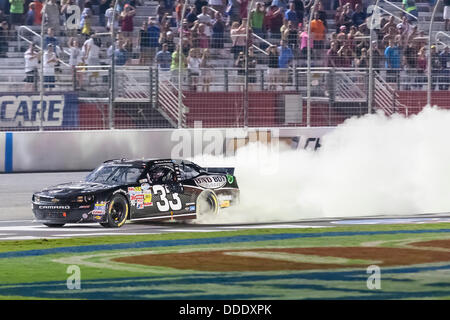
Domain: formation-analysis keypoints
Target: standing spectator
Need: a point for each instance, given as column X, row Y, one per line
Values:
column 305, row 42
column 164, row 59
column 51, row 16
column 243, row 9
column 392, row 55
column 91, row 51
column 252, row 62
column 240, row 65
column 31, row 66
column 238, row 38
column 193, row 64
column 75, row 53
column 359, row 16
column 86, row 19
column 51, row 39
column 377, row 55
column 257, row 19
column 333, row 60
column 404, row 27
column 153, row 37
column 274, row 21
column 272, row 72
column 291, row 14
column 205, row 70
column 177, row 55
column 103, row 6
column 38, row 6
column 179, row 11
column 446, row 15
column 203, row 38
column 191, row 16
column 29, row 17
column 126, row 22
column 436, row 65
column 410, row 7
column 318, row 34
column 445, row 65
column 290, row 36
column 205, row 19
column 144, row 44
column 112, row 14
column 284, row 60
column 16, row 12
column 3, row 38
column 421, row 67
column 49, row 62
column 363, row 60
column 345, row 56
column 169, row 40
column 121, row 55
column 218, row 30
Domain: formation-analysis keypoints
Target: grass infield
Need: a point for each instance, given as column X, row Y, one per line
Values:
column 38, row 269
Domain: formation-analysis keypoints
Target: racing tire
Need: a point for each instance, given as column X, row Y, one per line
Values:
column 207, row 204
column 54, row 225
column 117, row 212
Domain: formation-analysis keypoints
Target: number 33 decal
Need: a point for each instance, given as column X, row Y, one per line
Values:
column 164, row 204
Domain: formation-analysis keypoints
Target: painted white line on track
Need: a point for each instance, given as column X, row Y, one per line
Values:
column 46, row 229
column 191, row 230
column 102, row 234
column 21, row 238
column 275, row 226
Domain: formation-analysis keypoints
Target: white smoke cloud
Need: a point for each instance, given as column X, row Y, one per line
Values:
column 373, row 165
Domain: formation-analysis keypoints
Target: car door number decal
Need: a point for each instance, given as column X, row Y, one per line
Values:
column 164, row 204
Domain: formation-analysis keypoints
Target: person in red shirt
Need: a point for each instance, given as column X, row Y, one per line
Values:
column 38, row 12
column 273, row 21
column 126, row 21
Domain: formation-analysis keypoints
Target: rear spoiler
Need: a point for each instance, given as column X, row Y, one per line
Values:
column 220, row 170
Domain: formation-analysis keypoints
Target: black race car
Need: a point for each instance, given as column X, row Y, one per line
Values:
column 121, row 190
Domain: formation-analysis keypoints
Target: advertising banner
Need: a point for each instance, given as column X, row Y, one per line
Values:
column 24, row 110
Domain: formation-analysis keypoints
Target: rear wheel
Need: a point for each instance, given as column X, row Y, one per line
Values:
column 207, row 204
column 117, row 212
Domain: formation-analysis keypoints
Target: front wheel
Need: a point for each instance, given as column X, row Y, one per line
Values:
column 117, row 212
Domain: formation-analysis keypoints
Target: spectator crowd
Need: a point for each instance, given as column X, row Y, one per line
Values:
column 280, row 36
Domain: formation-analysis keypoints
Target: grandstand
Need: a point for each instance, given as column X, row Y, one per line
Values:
column 143, row 96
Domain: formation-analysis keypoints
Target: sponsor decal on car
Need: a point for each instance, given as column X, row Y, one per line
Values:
column 140, row 197
column 99, row 208
column 148, row 198
column 54, row 207
column 211, row 182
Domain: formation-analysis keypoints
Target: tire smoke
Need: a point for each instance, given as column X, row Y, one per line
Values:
column 372, row 165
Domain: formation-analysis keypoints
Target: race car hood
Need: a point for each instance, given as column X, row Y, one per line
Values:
column 75, row 188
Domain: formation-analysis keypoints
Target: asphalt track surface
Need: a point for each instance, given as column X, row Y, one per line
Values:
column 16, row 218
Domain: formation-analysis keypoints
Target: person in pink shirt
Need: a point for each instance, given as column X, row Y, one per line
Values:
column 303, row 40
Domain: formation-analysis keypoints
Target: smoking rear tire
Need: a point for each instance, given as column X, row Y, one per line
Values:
column 54, row 225
column 117, row 212
column 207, row 203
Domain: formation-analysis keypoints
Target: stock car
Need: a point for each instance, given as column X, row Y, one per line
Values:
column 120, row 190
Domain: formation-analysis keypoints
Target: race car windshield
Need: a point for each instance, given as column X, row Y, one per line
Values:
column 114, row 175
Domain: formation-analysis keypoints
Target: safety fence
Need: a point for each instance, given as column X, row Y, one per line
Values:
column 170, row 72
